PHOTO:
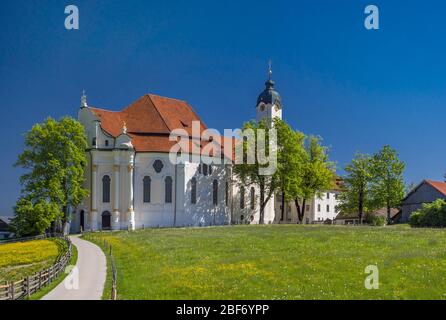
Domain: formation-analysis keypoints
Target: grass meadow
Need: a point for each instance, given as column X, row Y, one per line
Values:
column 278, row 262
column 17, row 260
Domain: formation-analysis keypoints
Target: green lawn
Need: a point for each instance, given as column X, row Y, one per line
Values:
column 278, row 262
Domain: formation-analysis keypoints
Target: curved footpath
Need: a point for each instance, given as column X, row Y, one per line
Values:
column 86, row 281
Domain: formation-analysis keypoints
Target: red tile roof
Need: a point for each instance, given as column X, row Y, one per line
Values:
column 150, row 120
column 440, row 186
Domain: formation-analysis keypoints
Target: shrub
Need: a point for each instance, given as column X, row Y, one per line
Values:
column 374, row 220
column 414, row 219
column 378, row 221
column 430, row 215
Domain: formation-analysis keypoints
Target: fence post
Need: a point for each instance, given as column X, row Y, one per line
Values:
column 11, row 289
column 28, row 290
column 40, row 279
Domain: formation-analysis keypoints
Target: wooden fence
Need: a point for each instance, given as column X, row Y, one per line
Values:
column 25, row 287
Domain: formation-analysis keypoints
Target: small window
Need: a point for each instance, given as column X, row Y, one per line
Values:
column 168, row 190
column 318, row 208
column 215, row 192
column 205, row 169
column 253, row 198
column 146, row 189
column 106, row 143
column 242, row 198
column 158, row 166
column 193, row 192
column 199, row 168
column 93, row 142
column 307, row 207
column 328, row 208
column 328, row 195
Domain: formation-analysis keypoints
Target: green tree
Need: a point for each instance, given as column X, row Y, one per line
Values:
column 315, row 175
column 356, row 195
column 271, row 176
column 54, row 158
column 388, row 186
column 291, row 160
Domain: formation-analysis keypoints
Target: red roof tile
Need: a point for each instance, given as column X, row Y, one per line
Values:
column 150, row 120
column 440, row 186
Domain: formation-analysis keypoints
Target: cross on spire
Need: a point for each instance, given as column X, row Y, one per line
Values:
column 270, row 69
column 84, row 100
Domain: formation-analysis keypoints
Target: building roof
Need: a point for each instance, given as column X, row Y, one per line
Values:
column 440, row 186
column 437, row 185
column 6, row 219
column 150, row 120
column 269, row 95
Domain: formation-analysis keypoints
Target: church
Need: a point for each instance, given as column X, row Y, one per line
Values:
column 134, row 182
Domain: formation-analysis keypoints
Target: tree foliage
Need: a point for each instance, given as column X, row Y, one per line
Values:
column 430, row 215
column 388, row 186
column 356, row 195
column 373, row 182
column 54, row 159
column 316, row 174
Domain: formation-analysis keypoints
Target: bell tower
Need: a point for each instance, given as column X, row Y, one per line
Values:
column 269, row 103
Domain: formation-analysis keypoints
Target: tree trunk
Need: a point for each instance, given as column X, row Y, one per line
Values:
column 262, row 203
column 302, row 212
column 296, row 202
column 283, row 205
column 388, row 213
column 361, row 206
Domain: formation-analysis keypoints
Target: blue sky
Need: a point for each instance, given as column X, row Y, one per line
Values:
column 356, row 88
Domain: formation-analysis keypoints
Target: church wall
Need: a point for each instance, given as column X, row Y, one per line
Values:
column 157, row 213
column 204, row 212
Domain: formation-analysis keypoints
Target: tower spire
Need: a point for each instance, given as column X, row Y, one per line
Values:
column 84, row 100
column 270, row 69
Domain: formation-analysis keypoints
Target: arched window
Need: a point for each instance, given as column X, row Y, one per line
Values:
column 146, row 182
column 215, row 192
column 199, row 168
column 205, row 169
column 227, row 193
column 253, row 198
column 106, row 189
column 242, row 198
column 168, row 190
column 193, row 192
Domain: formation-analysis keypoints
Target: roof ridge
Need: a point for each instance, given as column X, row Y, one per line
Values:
column 96, row 108
column 157, row 95
column 159, row 113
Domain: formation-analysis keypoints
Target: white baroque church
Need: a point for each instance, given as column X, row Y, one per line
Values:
column 133, row 182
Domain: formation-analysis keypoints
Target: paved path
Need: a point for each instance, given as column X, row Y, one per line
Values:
column 91, row 270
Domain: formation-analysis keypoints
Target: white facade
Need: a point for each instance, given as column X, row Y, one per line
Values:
column 320, row 209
